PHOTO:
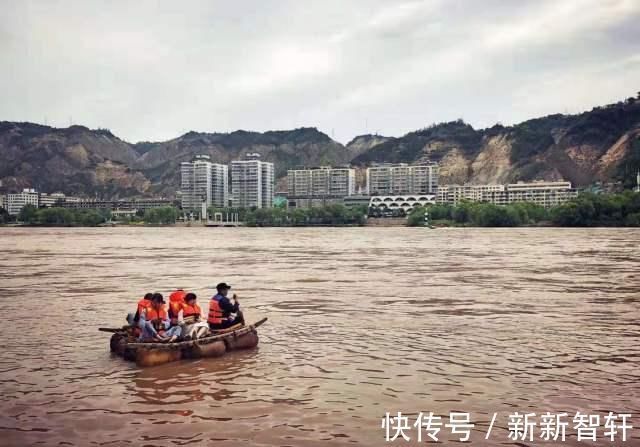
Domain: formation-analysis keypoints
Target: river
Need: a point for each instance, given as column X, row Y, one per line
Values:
column 362, row 321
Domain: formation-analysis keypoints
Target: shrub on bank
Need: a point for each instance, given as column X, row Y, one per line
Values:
column 161, row 216
column 480, row 214
column 595, row 210
column 62, row 216
column 334, row 214
column 586, row 210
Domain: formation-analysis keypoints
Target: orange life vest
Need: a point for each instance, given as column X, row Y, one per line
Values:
column 142, row 305
column 176, row 301
column 157, row 317
column 191, row 311
column 216, row 315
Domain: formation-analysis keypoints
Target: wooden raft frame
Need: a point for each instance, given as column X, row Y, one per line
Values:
column 200, row 341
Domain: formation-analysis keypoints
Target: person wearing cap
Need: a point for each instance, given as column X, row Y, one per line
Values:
column 155, row 323
column 223, row 312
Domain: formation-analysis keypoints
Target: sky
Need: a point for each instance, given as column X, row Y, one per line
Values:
column 153, row 70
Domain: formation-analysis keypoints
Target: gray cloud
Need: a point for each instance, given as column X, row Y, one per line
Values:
column 153, row 70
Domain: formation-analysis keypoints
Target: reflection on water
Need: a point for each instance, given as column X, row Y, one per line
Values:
column 361, row 321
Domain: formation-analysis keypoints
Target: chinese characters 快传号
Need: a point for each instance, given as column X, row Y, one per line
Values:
column 522, row 426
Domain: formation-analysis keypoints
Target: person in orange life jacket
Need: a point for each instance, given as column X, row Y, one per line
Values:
column 191, row 312
column 145, row 302
column 155, row 324
column 221, row 309
column 194, row 327
column 176, row 301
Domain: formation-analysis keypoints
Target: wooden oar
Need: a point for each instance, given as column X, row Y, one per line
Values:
column 111, row 330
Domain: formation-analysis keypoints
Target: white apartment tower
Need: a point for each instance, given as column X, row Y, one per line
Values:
column 323, row 182
column 402, row 179
column 252, row 182
column 203, row 181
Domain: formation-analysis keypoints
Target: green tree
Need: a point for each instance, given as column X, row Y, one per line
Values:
column 56, row 216
column 577, row 213
column 632, row 220
column 440, row 212
column 299, row 216
column 163, row 215
column 4, row 216
column 462, row 212
column 416, row 217
column 28, row 214
column 90, row 218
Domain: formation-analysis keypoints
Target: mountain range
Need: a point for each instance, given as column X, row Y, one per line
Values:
column 602, row 144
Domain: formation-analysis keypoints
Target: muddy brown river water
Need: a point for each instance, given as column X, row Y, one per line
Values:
column 362, row 321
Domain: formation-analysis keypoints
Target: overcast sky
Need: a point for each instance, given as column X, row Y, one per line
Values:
column 154, row 70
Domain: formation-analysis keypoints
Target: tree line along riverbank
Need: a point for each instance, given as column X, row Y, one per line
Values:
column 587, row 210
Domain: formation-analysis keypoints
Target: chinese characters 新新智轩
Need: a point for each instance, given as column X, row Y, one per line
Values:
column 522, row 426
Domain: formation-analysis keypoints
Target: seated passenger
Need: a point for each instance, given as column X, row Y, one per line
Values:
column 144, row 302
column 194, row 327
column 224, row 313
column 176, row 301
column 155, row 324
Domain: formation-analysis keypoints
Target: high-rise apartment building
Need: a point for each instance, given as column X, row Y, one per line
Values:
column 252, row 182
column 321, row 182
column 402, row 179
column 204, row 181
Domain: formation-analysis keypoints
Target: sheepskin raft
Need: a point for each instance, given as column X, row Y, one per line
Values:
column 214, row 345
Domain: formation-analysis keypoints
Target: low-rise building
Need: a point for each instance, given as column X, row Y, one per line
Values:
column 454, row 194
column 547, row 194
column 15, row 202
column 49, row 200
column 544, row 193
column 313, row 202
column 356, row 200
column 405, row 203
column 132, row 204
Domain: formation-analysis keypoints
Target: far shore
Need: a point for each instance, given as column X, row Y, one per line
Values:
column 392, row 223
